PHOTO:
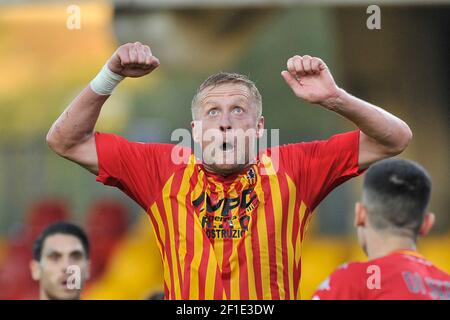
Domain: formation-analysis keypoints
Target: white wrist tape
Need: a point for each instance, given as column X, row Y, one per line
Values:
column 105, row 81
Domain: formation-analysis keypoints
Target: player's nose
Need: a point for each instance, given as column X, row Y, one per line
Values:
column 225, row 123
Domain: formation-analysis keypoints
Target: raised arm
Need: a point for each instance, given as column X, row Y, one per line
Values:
column 72, row 134
column 383, row 135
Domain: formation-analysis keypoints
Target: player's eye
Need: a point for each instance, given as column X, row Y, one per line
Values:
column 237, row 110
column 213, row 112
column 77, row 255
column 54, row 256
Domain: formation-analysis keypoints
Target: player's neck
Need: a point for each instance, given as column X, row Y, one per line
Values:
column 226, row 173
column 381, row 245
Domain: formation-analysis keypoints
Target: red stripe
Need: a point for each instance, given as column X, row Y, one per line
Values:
column 189, row 236
column 253, row 227
column 213, row 197
column 285, row 211
column 167, row 246
column 166, row 291
column 243, row 274
column 218, row 288
column 228, row 246
column 174, row 190
column 203, row 267
column 270, row 226
column 226, row 269
column 158, row 236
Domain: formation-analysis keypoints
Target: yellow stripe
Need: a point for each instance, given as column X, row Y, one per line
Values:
column 302, row 211
column 195, row 264
column 182, row 213
column 298, row 253
column 174, row 254
column 263, row 243
column 235, row 270
column 250, row 270
column 162, row 233
column 305, row 229
column 278, row 213
column 157, row 233
column 210, row 276
column 218, row 250
column 290, row 223
column 198, row 246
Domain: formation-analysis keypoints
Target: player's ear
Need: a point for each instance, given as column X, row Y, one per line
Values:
column 427, row 223
column 196, row 126
column 360, row 215
column 35, row 270
column 260, row 127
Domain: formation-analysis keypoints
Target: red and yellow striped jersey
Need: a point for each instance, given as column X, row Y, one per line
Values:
column 234, row 237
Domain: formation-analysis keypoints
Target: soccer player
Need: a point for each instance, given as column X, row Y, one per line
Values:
column 390, row 217
column 228, row 229
column 60, row 261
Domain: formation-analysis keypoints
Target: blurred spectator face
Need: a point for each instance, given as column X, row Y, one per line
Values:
column 61, row 254
column 226, row 113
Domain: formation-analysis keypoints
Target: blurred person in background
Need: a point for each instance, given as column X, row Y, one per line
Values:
column 15, row 280
column 390, row 217
column 222, row 225
column 60, row 262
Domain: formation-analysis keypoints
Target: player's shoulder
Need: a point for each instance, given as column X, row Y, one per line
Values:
column 309, row 145
column 349, row 270
column 136, row 141
column 343, row 283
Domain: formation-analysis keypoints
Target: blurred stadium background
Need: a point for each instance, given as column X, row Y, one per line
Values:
column 402, row 67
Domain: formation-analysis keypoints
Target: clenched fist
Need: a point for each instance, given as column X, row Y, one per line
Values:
column 310, row 79
column 133, row 60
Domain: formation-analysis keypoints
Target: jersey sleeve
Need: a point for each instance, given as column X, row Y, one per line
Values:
column 138, row 169
column 343, row 284
column 318, row 167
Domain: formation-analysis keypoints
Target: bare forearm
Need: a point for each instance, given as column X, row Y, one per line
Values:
column 382, row 135
column 76, row 124
column 383, row 127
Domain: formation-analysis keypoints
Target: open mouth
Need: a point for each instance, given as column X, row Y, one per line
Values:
column 64, row 283
column 227, row 147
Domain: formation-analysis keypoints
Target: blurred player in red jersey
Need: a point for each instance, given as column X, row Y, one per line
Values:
column 390, row 217
column 228, row 229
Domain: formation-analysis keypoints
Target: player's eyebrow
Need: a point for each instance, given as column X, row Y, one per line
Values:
column 238, row 100
column 77, row 253
column 52, row 251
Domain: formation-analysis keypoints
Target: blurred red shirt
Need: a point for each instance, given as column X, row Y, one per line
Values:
column 401, row 275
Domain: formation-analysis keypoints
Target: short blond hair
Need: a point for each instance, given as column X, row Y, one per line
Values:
column 226, row 77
